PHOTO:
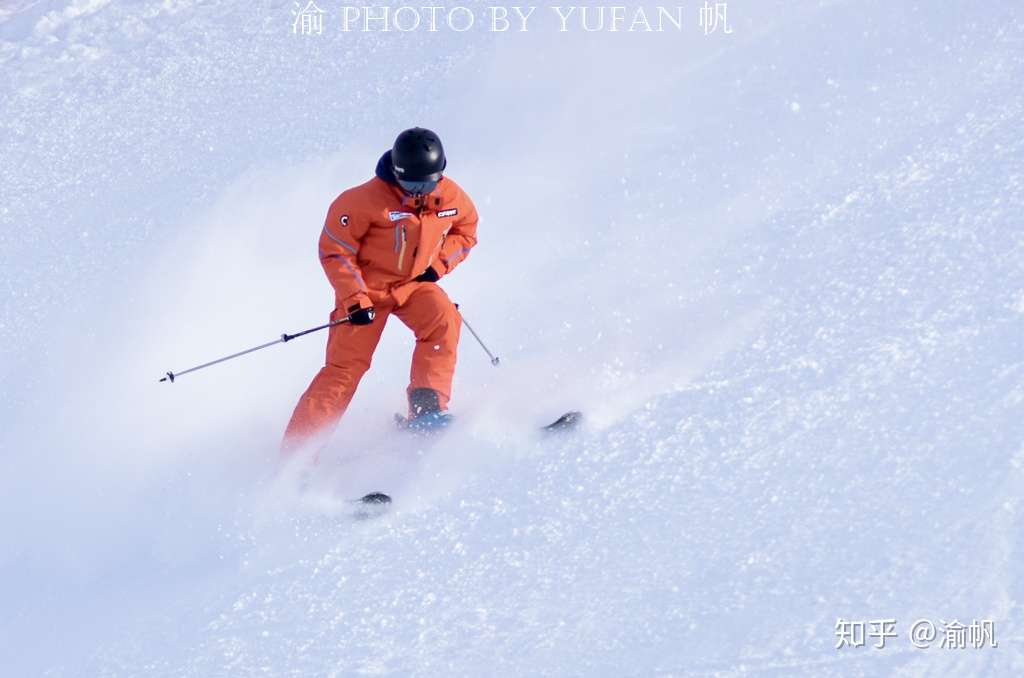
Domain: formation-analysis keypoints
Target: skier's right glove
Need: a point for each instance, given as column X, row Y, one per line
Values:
column 361, row 316
column 429, row 275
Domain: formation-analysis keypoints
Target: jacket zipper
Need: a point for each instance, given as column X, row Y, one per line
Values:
column 401, row 251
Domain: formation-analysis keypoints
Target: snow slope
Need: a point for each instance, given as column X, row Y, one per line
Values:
column 782, row 271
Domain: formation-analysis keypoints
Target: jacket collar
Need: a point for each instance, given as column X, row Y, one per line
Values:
column 384, row 170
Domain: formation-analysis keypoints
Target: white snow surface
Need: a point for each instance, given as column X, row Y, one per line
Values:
column 782, row 271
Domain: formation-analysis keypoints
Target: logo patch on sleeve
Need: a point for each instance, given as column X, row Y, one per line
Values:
column 448, row 213
column 344, row 220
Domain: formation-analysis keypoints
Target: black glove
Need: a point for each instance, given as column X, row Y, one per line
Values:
column 361, row 316
column 429, row 275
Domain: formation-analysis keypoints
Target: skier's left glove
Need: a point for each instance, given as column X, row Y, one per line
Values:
column 361, row 316
column 429, row 275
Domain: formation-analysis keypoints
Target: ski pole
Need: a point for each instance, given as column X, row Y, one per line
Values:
column 171, row 376
column 494, row 359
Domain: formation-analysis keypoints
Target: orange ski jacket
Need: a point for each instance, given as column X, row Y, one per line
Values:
column 376, row 239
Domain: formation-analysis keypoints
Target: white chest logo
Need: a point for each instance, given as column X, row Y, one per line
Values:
column 448, row 213
column 395, row 216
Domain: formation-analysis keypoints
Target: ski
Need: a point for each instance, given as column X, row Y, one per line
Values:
column 378, row 503
column 567, row 422
column 371, row 505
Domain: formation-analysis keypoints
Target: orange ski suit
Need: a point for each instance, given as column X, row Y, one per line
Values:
column 376, row 240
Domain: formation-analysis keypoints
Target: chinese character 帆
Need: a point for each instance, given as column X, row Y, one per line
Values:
column 711, row 16
column 981, row 632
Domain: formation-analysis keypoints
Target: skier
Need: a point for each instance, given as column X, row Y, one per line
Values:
column 384, row 246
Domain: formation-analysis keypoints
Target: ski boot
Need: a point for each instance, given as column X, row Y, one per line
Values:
column 425, row 415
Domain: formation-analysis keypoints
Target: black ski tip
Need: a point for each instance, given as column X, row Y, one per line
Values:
column 566, row 422
column 371, row 506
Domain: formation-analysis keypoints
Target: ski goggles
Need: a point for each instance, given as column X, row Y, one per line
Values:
column 417, row 187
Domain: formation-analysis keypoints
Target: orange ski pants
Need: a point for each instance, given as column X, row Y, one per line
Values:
column 435, row 321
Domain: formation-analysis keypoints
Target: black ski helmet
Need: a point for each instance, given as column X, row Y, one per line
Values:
column 418, row 156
